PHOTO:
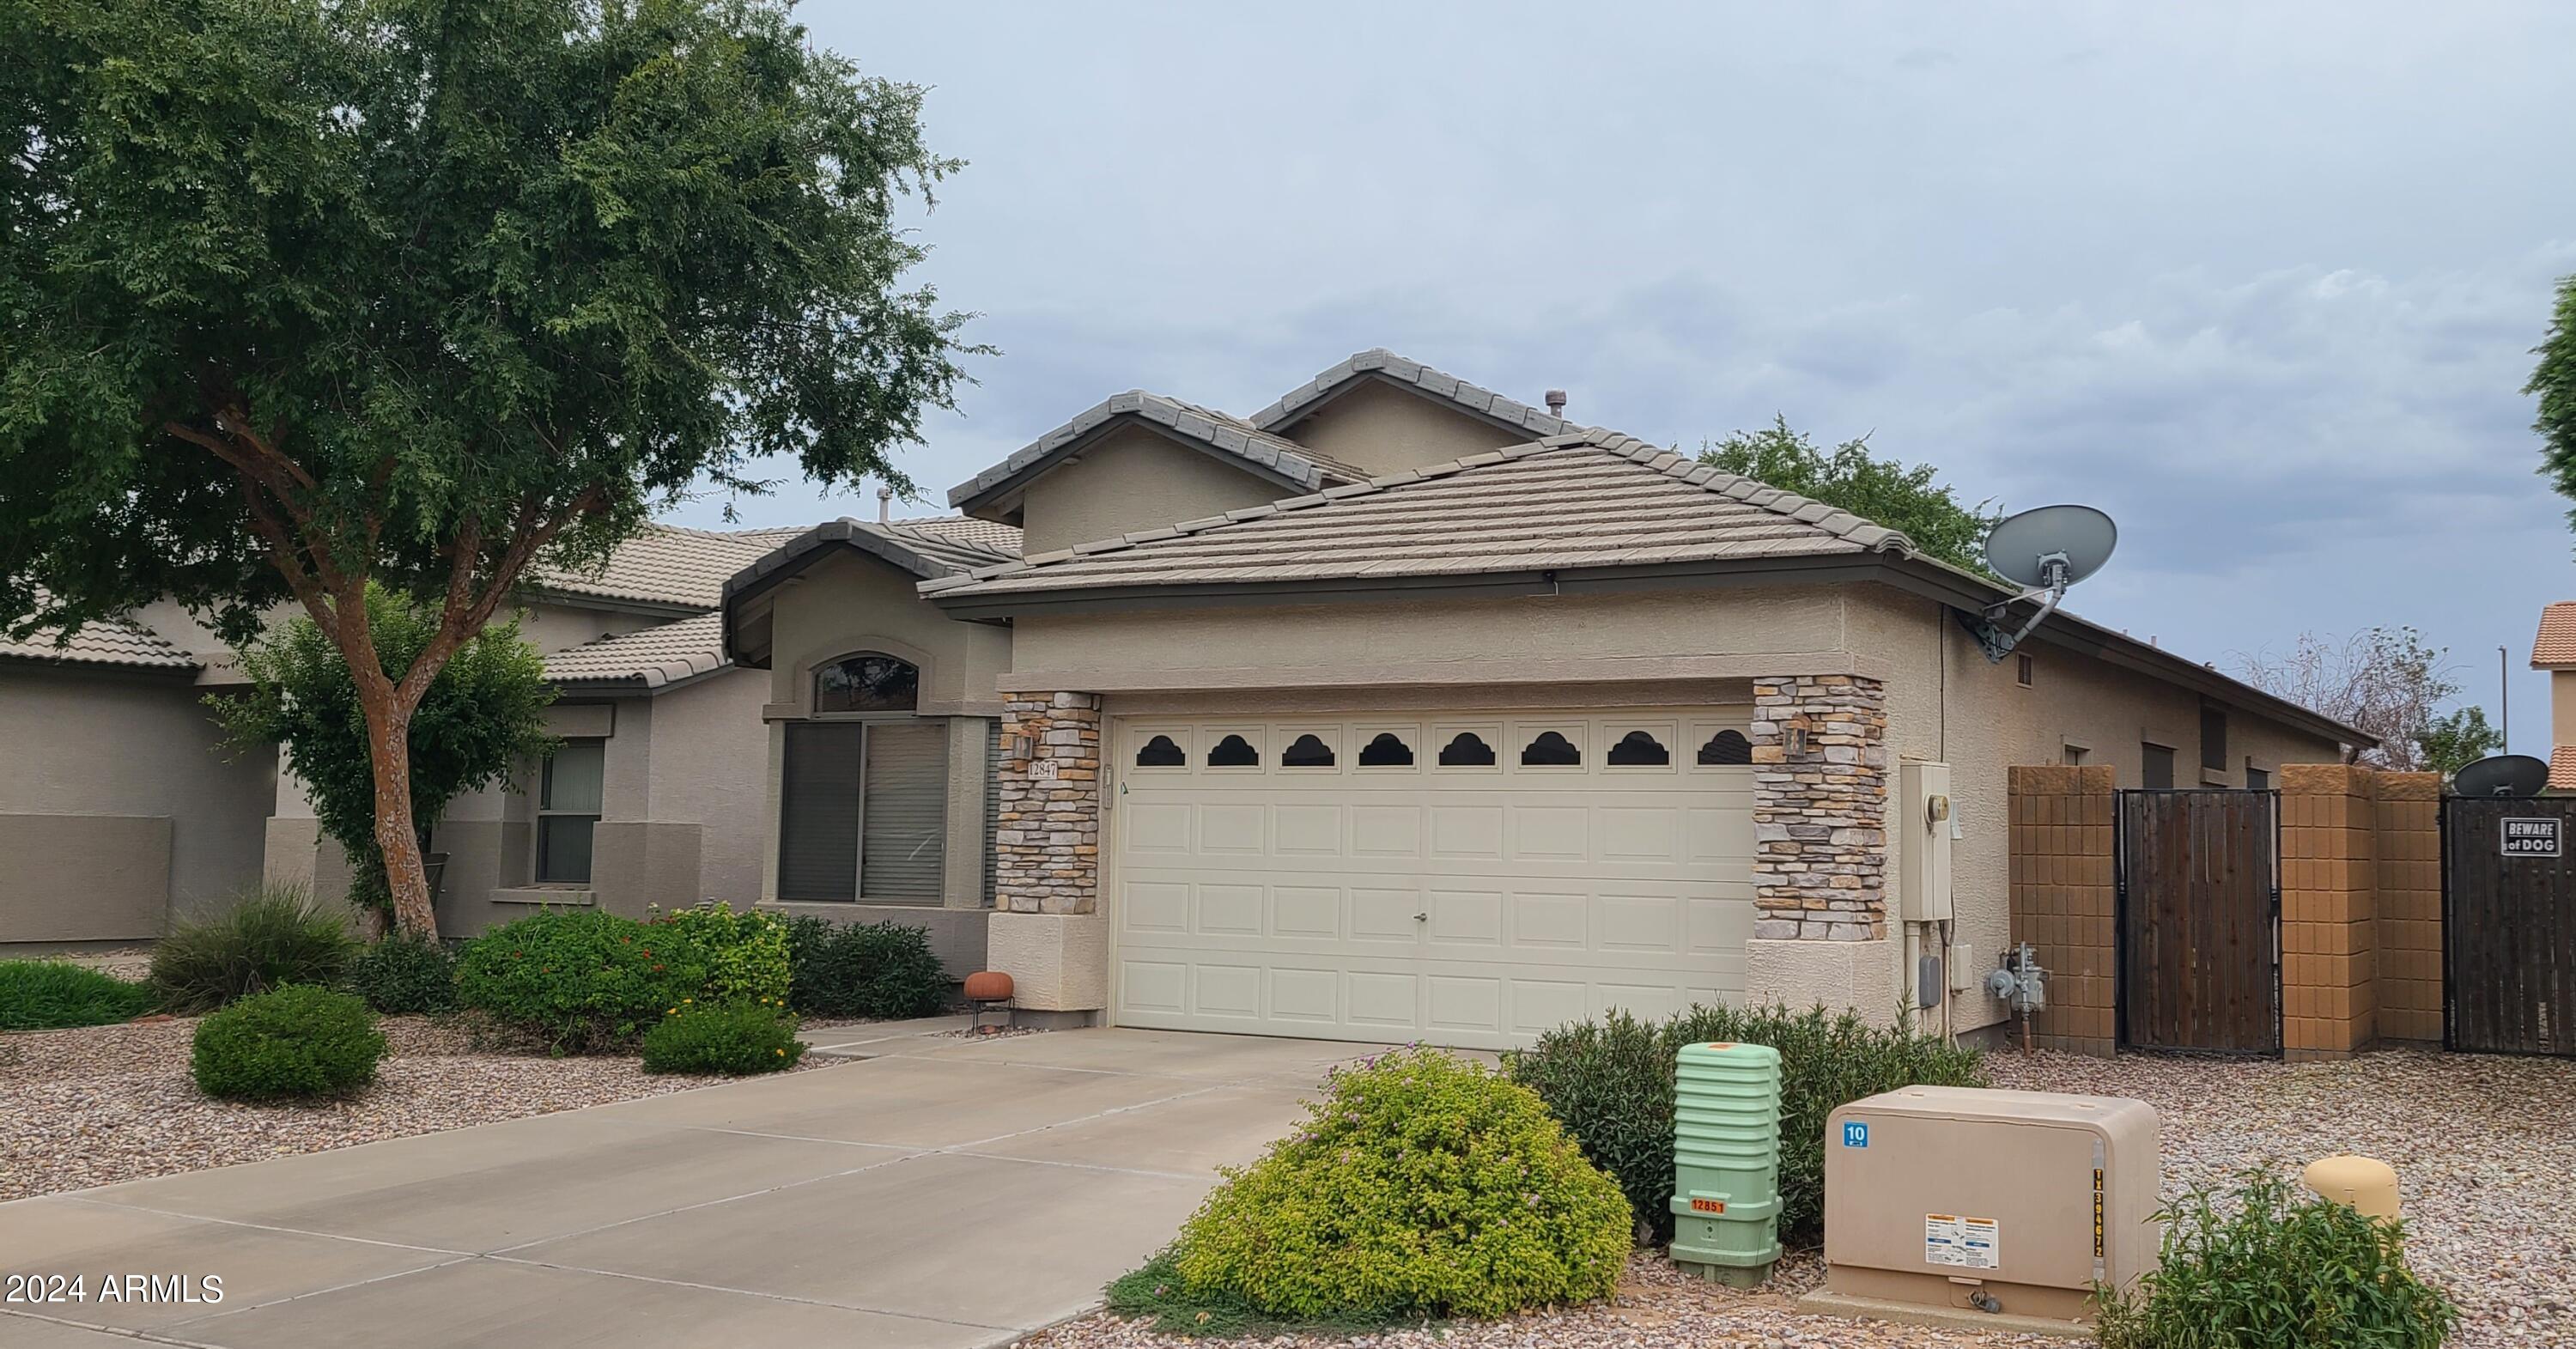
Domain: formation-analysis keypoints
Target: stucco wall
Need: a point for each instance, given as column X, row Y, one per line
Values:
column 1133, row 479
column 1382, row 429
column 710, row 759
column 2562, row 707
column 1947, row 703
column 849, row 602
column 99, row 746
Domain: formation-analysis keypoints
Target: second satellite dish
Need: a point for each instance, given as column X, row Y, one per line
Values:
column 2052, row 547
column 2502, row 775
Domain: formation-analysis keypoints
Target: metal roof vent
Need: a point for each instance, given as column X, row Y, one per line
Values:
column 1556, row 402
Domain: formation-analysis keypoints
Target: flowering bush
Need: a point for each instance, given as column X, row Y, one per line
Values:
column 735, row 1038
column 1421, row 1185
column 581, row 981
column 746, row 952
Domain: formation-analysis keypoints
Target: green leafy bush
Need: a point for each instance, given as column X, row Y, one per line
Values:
column 879, row 970
column 405, row 974
column 266, row 938
column 296, row 1041
column 2271, row 1268
column 54, row 994
column 1611, row 1081
column 580, row 981
column 746, row 952
column 1420, row 1186
column 733, row 1038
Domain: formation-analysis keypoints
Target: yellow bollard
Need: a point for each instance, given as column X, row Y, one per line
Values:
column 2361, row 1183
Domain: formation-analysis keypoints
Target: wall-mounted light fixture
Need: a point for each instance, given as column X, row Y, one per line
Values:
column 1797, row 741
column 1023, row 747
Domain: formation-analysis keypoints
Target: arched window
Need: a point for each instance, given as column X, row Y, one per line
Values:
column 867, row 682
column 1467, row 750
column 1550, row 750
column 1160, row 752
column 1388, row 750
column 1234, row 752
column 1639, row 749
column 1726, row 747
column 1307, row 751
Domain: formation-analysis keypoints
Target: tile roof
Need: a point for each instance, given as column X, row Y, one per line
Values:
column 665, row 564
column 649, row 659
column 115, row 642
column 990, row 535
column 1227, row 435
column 2562, row 768
column 1588, row 499
column 1385, row 364
column 2556, row 644
column 929, row 553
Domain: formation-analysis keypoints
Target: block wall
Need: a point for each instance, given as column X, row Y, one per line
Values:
column 2409, row 818
column 2064, row 900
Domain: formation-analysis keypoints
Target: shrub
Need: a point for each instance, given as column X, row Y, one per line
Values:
column 746, row 952
column 296, row 1041
column 266, row 938
column 879, row 970
column 1611, row 1081
column 2271, row 1269
column 578, row 980
column 1420, row 1186
column 735, row 1038
column 404, row 974
column 54, row 994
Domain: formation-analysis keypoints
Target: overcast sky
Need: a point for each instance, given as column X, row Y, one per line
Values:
column 2261, row 281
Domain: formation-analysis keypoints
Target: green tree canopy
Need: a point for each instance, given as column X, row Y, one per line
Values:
column 299, row 294
column 482, row 717
column 2456, row 739
column 2553, row 382
column 1900, row 496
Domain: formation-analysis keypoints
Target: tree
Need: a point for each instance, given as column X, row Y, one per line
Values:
column 2453, row 741
column 1885, row 491
column 2383, row 680
column 302, row 295
column 2553, row 381
column 482, row 716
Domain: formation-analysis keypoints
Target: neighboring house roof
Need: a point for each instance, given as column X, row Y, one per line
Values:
column 116, row 642
column 2562, row 768
column 664, row 565
column 2556, row 644
column 1248, row 446
column 1587, row 499
column 652, row 658
column 1382, row 364
column 929, row 549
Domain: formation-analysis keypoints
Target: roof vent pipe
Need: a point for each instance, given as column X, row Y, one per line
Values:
column 885, row 504
column 1556, row 402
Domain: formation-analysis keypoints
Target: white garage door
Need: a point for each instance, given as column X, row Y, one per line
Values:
column 1468, row 880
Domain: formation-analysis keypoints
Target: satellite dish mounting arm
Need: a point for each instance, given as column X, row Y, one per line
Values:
column 2056, row 573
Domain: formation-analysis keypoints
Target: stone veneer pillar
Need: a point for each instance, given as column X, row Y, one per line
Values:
column 1047, row 933
column 1819, row 808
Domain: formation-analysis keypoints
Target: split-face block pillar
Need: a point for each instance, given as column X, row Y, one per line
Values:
column 1820, row 873
column 1047, row 931
column 2329, row 910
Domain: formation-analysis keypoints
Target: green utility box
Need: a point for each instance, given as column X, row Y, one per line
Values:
column 1726, row 1162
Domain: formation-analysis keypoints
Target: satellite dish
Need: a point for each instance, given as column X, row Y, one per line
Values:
column 2052, row 547
column 2502, row 775
column 2043, row 551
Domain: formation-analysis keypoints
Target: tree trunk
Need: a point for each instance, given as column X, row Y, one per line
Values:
column 389, row 755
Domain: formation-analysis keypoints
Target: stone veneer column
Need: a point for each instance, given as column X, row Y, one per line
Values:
column 1046, row 931
column 1819, row 812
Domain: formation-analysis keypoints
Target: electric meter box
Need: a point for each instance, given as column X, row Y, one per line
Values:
column 1989, row 1204
column 1923, row 852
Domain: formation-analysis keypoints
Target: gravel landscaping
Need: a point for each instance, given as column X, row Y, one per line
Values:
column 2485, row 1149
column 113, row 1103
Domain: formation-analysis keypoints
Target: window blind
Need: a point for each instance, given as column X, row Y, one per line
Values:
column 904, row 804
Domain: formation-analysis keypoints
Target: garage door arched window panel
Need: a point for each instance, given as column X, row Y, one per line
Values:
column 1233, row 750
column 1726, row 749
column 1640, row 749
column 1307, row 751
column 1161, row 751
column 1552, row 749
column 863, row 811
column 1387, row 749
column 1467, row 749
column 867, row 682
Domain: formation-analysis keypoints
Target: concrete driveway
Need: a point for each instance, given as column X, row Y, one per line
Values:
column 941, row 1192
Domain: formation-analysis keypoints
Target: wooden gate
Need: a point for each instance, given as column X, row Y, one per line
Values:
column 2509, row 925
column 2199, row 920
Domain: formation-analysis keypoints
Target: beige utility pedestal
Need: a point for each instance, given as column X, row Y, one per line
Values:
column 2364, row 1184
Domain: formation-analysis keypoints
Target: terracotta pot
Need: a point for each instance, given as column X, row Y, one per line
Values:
column 988, row 986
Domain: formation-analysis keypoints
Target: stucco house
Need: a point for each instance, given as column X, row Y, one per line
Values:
column 2553, row 649
column 1402, row 709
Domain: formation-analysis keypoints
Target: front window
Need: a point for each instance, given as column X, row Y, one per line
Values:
column 568, row 811
column 864, row 800
column 867, row 682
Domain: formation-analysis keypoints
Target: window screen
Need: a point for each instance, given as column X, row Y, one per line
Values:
column 2213, row 739
column 2156, row 769
column 568, row 810
column 818, row 826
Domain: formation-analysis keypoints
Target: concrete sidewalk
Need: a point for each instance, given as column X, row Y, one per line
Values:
column 944, row 1192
